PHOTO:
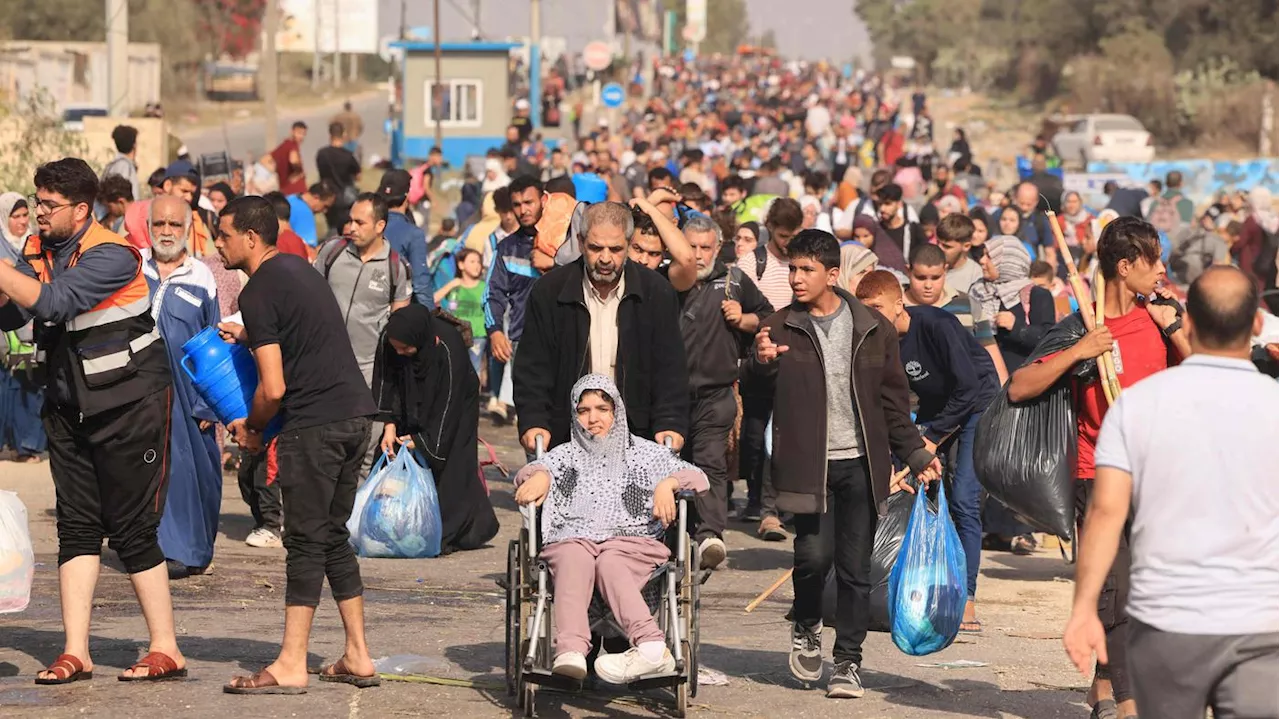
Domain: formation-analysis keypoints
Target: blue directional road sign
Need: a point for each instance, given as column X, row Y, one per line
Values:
column 612, row 95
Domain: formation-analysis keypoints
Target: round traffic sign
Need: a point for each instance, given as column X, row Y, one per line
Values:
column 597, row 55
column 612, row 95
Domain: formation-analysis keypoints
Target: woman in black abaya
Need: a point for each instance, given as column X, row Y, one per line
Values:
column 426, row 389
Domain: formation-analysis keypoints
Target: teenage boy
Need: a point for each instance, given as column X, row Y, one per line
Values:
column 954, row 379
column 832, row 469
column 1143, row 337
column 955, row 238
column 930, row 285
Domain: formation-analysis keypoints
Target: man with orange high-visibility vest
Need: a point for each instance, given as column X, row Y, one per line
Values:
column 106, row 412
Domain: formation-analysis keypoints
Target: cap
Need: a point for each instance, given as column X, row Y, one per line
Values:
column 522, row 104
column 182, row 168
column 395, row 183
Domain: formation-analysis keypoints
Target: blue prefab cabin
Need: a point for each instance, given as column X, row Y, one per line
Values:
column 472, row 99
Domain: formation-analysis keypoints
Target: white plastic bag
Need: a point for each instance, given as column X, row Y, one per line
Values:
column 17, row 561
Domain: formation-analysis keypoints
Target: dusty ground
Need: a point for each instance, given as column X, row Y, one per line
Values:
column 450, row 610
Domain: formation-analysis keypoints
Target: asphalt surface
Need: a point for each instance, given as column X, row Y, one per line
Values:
column 245, row 138
column 450, row 612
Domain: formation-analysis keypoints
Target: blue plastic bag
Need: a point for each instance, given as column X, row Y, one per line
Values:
column 927, row 590
column 397, row 512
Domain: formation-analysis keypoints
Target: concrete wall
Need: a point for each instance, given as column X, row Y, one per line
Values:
column 75, row 73
column 153, row 143
column 490, row 68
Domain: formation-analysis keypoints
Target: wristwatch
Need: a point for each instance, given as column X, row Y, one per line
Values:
column 1169, row 331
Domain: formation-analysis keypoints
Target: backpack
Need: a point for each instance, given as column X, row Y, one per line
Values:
column 1163, row 214
column 395, row 266
column 762, row 256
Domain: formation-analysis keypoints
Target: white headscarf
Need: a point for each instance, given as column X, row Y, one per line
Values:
column 500, row 177
column 8, row 201
column 1260, row 207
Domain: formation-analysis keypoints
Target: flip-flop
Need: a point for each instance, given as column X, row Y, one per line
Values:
column 260, row 683
column 975, row 623
column 1105, row 709
column 337, row 672
column 69, row 663
column 160, row 667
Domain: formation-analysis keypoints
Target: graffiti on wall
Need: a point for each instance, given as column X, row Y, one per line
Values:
column 1202, row 180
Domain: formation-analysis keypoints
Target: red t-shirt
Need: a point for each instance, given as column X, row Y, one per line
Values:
column 1139, row 352
column 289, row 242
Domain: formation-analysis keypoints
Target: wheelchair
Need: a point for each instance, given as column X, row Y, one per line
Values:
column 672, row 594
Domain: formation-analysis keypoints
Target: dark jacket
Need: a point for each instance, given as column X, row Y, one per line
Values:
column 410, row 242
column 554, row 353
column 712, row 346
column 508, row 284
column 879, row 389
column 1028, row 328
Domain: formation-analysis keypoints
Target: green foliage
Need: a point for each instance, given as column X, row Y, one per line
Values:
column 727, row 25
column 32, row 134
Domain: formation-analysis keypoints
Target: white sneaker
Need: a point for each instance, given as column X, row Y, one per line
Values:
column 263, row 538
column 631, row 665
column 711, row 552
column 570, row 664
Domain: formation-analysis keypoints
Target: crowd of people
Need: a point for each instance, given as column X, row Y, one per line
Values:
column 767, row 267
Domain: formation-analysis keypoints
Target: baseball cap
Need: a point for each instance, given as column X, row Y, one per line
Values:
column 522, row 104
column 395, row 183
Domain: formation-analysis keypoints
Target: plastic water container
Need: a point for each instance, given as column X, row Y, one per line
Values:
column 224, row 376
column 590, row 187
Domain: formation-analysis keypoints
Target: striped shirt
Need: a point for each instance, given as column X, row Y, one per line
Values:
column 968, row 312
column 775, row 283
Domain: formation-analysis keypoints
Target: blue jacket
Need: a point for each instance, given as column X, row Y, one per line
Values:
column 950, row 373
column 507, row 286
column 410, row 242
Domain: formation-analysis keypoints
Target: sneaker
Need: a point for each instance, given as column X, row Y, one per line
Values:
column 631, row 665
column 771, row 530
column 570, row 664
column 806, row 652
column 845, row 683
column 711, row 552
column 263, row 538
column 497, row 411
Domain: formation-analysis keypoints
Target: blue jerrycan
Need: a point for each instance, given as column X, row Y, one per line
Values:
column 590, row 187
column 224, row 376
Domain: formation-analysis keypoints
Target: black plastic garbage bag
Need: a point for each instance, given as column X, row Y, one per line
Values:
column 1025, row 453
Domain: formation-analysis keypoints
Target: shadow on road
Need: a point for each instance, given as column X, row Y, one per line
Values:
column 759, row 559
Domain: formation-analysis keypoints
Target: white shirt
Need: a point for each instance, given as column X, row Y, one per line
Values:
column 1200, row 442
column 775, row 283
column 603, row 334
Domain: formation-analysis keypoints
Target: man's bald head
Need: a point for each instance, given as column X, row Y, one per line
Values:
column 1222, row 306
column 164, row 204
column 1026, row 197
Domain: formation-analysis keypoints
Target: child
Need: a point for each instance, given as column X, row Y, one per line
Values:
column 1042, row 275
column 463, row 297
column 608, row 495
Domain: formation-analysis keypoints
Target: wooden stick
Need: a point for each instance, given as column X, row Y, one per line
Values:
column 769, row 592
column 1099, row 290
column 1073, row 274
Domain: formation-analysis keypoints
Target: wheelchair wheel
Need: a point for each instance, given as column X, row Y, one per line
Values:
column 690, row 598
column 527, row 696
column 513, row 637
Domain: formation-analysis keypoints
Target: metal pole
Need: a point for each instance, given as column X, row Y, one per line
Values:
column 315, row 47
column 337, row 54
column 117, row 57
column 439, row 83
column 269, row 74
column 535, row 63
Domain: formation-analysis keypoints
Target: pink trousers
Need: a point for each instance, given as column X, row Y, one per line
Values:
column 619, row 568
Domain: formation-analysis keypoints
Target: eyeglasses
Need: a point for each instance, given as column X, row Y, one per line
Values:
column 45, row 207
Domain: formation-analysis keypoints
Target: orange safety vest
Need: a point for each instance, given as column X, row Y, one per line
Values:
column 114, row 348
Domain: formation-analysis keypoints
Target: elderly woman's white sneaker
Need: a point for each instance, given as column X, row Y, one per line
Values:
column 570, row 664
column 632, row 665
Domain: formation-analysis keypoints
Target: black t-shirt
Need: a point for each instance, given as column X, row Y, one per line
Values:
column 288, row 303
column 338, row 166
column 899, row 235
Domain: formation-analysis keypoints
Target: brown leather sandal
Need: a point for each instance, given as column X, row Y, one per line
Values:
column 338, row 672
column 160, row 667
column 260, row 683
column 66, row 669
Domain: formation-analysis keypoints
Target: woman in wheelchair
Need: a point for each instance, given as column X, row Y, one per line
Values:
column 606, row 497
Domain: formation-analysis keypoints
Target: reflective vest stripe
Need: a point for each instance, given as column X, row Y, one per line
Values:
column 107, row 315
column 116, row 360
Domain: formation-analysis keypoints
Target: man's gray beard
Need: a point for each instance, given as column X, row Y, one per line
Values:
column 163, row 255
column 597, row 277
column 705, row 272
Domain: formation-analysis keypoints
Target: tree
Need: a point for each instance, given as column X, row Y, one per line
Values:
column 727, row 25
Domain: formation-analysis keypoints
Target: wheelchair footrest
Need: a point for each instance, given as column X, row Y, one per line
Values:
column 550, row 679
column 658, row 682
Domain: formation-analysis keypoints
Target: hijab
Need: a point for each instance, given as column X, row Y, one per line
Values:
column 885, row 249
column 414, row 326
column 1011, row 258
column 222, row 187
column 10, row 202
column 603, row 486
column 847, row 191
column 478, row 236
column 1080, row 217
column 1261, row 210
column 854, row 258
column 500, row 176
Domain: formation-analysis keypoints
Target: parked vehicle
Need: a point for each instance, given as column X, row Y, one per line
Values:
column 73, row 116
column 1104, row 138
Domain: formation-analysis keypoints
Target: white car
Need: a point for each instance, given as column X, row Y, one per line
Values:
column 1104, row 138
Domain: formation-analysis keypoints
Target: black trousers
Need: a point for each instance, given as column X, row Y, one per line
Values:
column 319, row 472
column 843, row 536
column 711, row 416
column 260, row 490
column 110, row 476
column 1111, row 603
column 753, row 462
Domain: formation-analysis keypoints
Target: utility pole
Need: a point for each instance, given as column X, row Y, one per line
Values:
column 267, row 72
column 117, row 57
column 315, row 49
column 439, row 86
column 475, row 20
column 337, row 50
column 535, row 63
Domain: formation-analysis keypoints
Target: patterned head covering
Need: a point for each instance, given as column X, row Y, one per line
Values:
column 602, row 487
column 1011, row 258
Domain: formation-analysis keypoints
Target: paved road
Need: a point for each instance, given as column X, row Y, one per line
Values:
column 245, row 138
column 450, row 611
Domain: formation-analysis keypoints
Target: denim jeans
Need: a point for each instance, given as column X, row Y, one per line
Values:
column 478, row 346
column 964, row 497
